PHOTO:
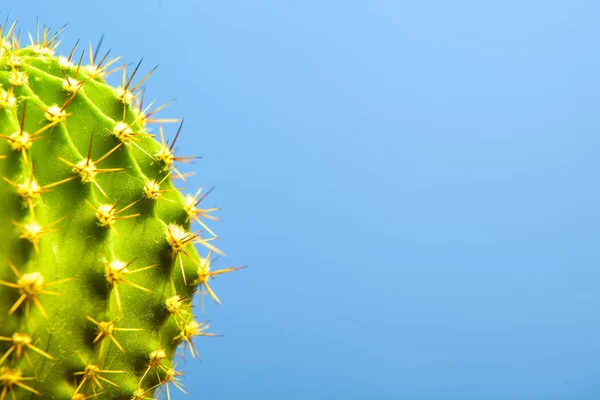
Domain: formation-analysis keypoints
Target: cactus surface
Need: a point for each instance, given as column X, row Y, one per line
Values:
column 98, row 262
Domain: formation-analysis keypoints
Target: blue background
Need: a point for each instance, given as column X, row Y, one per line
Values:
column 413, row 185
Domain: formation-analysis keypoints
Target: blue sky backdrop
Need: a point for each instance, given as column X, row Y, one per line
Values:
column 414, row 186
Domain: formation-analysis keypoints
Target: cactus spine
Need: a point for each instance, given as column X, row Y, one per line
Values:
column 98, row 263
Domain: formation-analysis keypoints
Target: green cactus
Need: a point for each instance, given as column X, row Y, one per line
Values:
column 98, row 264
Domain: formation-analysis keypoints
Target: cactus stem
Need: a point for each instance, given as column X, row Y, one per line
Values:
column 116, row 171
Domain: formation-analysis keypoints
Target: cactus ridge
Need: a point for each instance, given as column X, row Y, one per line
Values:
column 98, row 262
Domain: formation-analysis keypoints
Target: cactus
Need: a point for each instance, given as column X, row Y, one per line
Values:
column 98, row 262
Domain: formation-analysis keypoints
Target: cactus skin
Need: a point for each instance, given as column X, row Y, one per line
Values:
column 98, row 264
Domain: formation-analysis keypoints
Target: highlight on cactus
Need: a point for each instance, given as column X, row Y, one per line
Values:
column 99, row 262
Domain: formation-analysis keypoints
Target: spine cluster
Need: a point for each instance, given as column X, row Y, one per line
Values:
column 98, row 262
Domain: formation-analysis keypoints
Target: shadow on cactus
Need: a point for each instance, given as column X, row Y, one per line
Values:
column 99, row 265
